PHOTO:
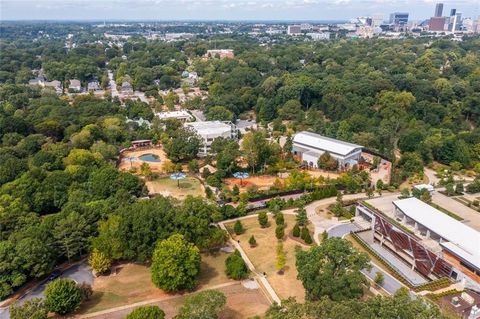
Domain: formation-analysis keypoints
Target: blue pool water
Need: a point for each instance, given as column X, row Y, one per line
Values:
column 149, row 158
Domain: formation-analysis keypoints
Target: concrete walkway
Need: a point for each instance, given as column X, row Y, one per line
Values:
column 108, row 313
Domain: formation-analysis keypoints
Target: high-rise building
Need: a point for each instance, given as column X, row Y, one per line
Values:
column 294, row 29
column 377, row 20
column 399, row 18
column 437, row 24
column 438, row 10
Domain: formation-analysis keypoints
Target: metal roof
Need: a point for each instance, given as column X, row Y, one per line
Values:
column 463, row 240
column 319, row 142
column 210, row 128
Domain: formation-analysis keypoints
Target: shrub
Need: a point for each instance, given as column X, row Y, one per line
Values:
column 31, row 309
column 280, row 232
column 263, row 219
column 279, row 218
column 99, row 262
column 85, row 290
column 62, row 296
column 235, row 266
column 379, row 278
column 238, row 228
column 252, row 241
column 147, row 312
column 296, row 231
column 306, row 236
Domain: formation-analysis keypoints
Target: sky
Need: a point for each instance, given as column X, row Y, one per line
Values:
column 223, row 9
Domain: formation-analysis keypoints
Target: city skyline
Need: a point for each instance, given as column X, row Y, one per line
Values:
column 292, row 10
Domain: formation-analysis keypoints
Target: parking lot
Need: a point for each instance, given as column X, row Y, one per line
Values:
column 80, row 272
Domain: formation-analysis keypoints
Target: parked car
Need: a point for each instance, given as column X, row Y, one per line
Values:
column 54, row 275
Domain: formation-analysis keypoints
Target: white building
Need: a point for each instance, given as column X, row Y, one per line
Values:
column 459, row 240
column 319, row 36
column 210, row 130
column 421, row 187
column 75, row 86
column 310, row 146
column 182, row 115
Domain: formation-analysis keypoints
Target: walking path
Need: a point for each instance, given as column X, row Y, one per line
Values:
column 259, row 277
column 147, row 302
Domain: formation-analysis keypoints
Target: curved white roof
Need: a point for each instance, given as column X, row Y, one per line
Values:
column 323, row 143
column 463, row 240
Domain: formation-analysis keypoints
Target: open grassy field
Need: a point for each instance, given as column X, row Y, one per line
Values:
column 263, row 256
column 168, row 187
column 132, row 284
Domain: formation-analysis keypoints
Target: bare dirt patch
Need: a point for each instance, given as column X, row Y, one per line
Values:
column 168, row 187
column 262, row 182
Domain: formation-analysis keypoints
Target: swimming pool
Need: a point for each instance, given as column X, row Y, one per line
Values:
column 149, row 158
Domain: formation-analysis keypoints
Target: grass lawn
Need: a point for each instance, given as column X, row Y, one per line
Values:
column 167, row 187
column 241, row 303
column 263, row 256
column 132, row 284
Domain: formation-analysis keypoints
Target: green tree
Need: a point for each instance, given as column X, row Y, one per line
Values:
column 175, row 264
column 279, row 218
column 280, row 232
column 296, row 230
column 71, row 233
column 263, row 219
column 146, row 312
column 203, row 305
column 219, row 113
column 238, row 228
column 379, row 278
column 281, row 258
column 182, row 146
column 99, row 262
column 327, row 162
column 301, row 217
column 338, row 210
column 459, row 189
column 235, row 266
column 305, row 235
column 252, row 241
column 332, row 269
column 30, row 309
column 62, row 296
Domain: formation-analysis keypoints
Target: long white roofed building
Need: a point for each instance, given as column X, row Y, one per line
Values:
column 456, row 238
column 308, row 147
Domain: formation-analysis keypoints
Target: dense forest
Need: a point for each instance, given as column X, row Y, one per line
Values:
column 60, row 193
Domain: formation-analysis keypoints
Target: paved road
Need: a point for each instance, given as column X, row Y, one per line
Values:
column 342, row 230
column 113, row 85
column 80, row 272
column 470, row 217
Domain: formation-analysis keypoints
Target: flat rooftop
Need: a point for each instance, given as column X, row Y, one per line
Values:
column 462, row 240
column 207, row 128
column 324, row 143
column 172, row 114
